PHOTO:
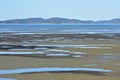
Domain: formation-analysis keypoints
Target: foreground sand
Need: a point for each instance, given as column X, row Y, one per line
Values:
column 61, row 76
column 20, row 62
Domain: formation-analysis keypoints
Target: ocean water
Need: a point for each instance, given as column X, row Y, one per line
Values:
column 60, row 28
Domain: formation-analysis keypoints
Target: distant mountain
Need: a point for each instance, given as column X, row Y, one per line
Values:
column 22, row 21
column 112, row 21
column 58, row 20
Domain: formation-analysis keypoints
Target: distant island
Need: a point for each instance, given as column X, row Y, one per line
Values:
column 58, row 20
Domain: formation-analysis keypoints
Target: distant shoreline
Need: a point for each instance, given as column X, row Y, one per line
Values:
column 58, row 20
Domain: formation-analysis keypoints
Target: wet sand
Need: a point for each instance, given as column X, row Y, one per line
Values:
column 94, row 58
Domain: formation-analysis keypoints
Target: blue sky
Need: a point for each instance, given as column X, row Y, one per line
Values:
column 78, row 9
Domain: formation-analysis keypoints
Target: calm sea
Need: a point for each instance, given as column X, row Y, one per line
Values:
column 59, row 28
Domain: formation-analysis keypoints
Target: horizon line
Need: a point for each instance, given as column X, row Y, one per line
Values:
column 58, row 17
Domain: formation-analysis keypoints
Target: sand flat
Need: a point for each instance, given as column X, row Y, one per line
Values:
column 108, row 59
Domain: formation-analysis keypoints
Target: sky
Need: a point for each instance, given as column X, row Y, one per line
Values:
column 74, row 9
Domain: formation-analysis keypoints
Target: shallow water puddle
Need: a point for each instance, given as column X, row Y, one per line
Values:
column 58, row 50
column 55, row 69
column 68, row 45
column 78, row 53
column 48, row 53
column 93, row 47
column 6, row 79
column 7, row 53
column 40, row 48
column 77, row 56
column 57, row 55
column 19, row 49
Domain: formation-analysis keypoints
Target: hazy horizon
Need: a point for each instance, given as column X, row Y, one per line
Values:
column 58, row 17
column 73, row 9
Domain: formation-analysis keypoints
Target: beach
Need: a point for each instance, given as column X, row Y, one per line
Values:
column 24, row 51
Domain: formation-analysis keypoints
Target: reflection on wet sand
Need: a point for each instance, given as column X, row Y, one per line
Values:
column 56, row 69
column 6, row 79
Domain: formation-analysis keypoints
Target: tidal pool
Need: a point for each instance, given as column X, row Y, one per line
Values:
column 51, row 69
column 6, row 79
column 74, row 46
column 57, row 55
column 7, row 53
